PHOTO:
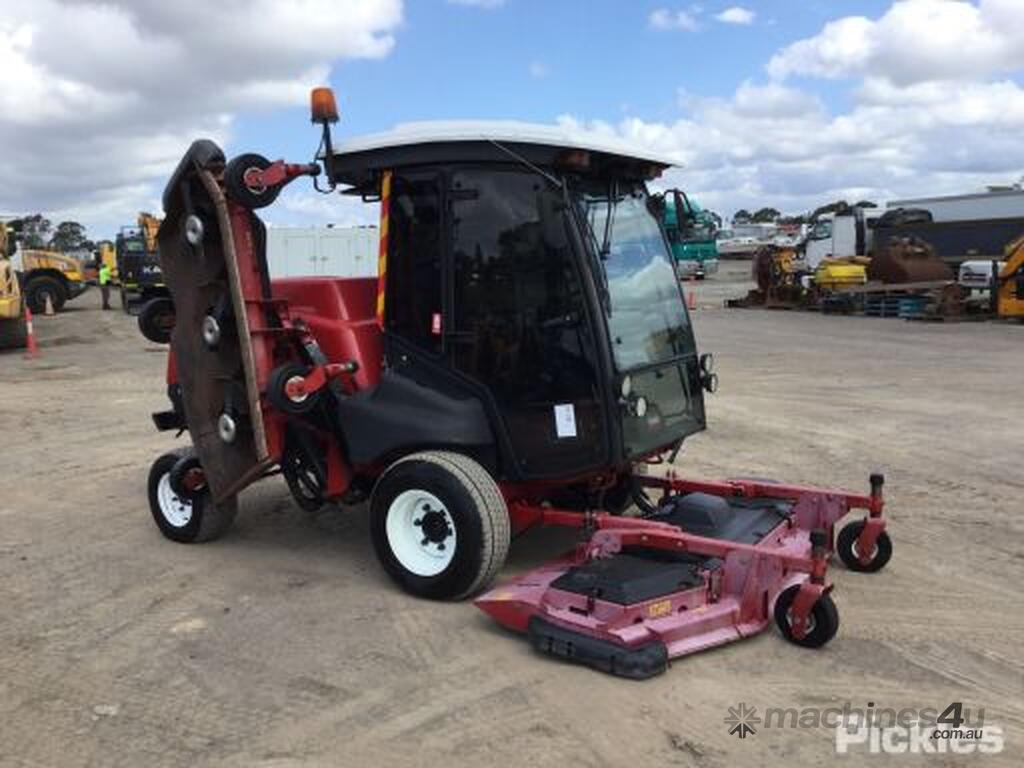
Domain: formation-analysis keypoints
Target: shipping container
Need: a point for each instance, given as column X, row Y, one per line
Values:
column 328, row 251
column 994, row 204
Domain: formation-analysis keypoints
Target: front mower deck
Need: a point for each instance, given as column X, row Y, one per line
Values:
column 703, row 570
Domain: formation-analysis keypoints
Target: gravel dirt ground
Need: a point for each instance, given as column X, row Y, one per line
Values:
column 284, row 644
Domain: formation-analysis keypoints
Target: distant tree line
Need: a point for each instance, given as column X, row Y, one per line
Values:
column 37, row 231
column 771, row 215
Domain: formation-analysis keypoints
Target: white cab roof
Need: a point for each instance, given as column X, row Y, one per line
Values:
column 504, row 132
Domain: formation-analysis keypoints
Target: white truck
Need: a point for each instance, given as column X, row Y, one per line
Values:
column 836, row 235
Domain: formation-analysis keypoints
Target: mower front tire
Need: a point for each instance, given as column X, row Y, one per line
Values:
column 824, row 619
column 439, row 524
column 180, row 519
column 846, row 546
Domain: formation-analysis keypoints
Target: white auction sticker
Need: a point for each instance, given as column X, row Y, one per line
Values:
column 565, row 420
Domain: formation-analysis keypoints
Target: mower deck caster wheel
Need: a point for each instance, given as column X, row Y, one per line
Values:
column 239, row 184
column 439, row 525
column 846, row 546
column 181, row 519
column 278, row 386
column 823, row 621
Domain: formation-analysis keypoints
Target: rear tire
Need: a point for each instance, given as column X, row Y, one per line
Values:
column 13, row 333
column 439, row 524
column 156, row 320
column 39, row 288
column 183, row 520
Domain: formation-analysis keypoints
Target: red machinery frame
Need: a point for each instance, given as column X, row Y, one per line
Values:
column 267, row 354
column 732, row 601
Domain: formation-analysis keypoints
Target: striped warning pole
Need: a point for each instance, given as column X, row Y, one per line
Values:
column 382, row 255
column 31, row 350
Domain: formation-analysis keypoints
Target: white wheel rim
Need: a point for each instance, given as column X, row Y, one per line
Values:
column 176, row 510
column 421, row 532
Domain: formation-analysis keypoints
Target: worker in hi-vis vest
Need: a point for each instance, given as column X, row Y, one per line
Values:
column 104, row 278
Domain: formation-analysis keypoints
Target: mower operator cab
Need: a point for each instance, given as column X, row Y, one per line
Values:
column 530, row 303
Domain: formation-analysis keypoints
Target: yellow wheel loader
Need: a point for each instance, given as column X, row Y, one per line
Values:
column 13, row 332
column 43, row 274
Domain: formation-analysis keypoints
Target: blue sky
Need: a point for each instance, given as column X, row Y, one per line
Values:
column 783, row 104
column 534, row 60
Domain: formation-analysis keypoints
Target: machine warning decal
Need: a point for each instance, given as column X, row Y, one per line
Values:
column 660, row 608
column 565, row 420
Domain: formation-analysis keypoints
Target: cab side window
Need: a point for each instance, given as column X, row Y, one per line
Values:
column 413, row 283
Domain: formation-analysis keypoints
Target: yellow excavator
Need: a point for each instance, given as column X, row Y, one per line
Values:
column 1010, row 283
column 138, row 263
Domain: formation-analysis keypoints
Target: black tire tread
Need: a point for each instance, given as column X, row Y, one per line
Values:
column 826, row 618
column 214, row 519
column 844, row 546
column 495, row 520
column 34, row 284
column 13, row 333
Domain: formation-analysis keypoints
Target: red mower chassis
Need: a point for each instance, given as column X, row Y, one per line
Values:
column 251, row 360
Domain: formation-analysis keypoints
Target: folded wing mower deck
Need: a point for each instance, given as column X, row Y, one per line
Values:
column 708, row 567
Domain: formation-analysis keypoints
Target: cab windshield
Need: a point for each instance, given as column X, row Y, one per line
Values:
column 642, row 301
column 699, row 232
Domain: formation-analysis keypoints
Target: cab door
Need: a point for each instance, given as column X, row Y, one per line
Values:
column 519, row 321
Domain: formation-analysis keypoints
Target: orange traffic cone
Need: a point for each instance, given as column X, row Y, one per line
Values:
column 31, row 350
column 691, row 297
column 49, row 306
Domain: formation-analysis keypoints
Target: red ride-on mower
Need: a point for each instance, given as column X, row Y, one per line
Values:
column 524, row 358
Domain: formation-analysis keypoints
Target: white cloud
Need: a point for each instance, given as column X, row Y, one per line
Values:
column 736, row 15
column 538, row 69
column 770, row 144
column 663, row 18
column 914, row 41
column 98, row 100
